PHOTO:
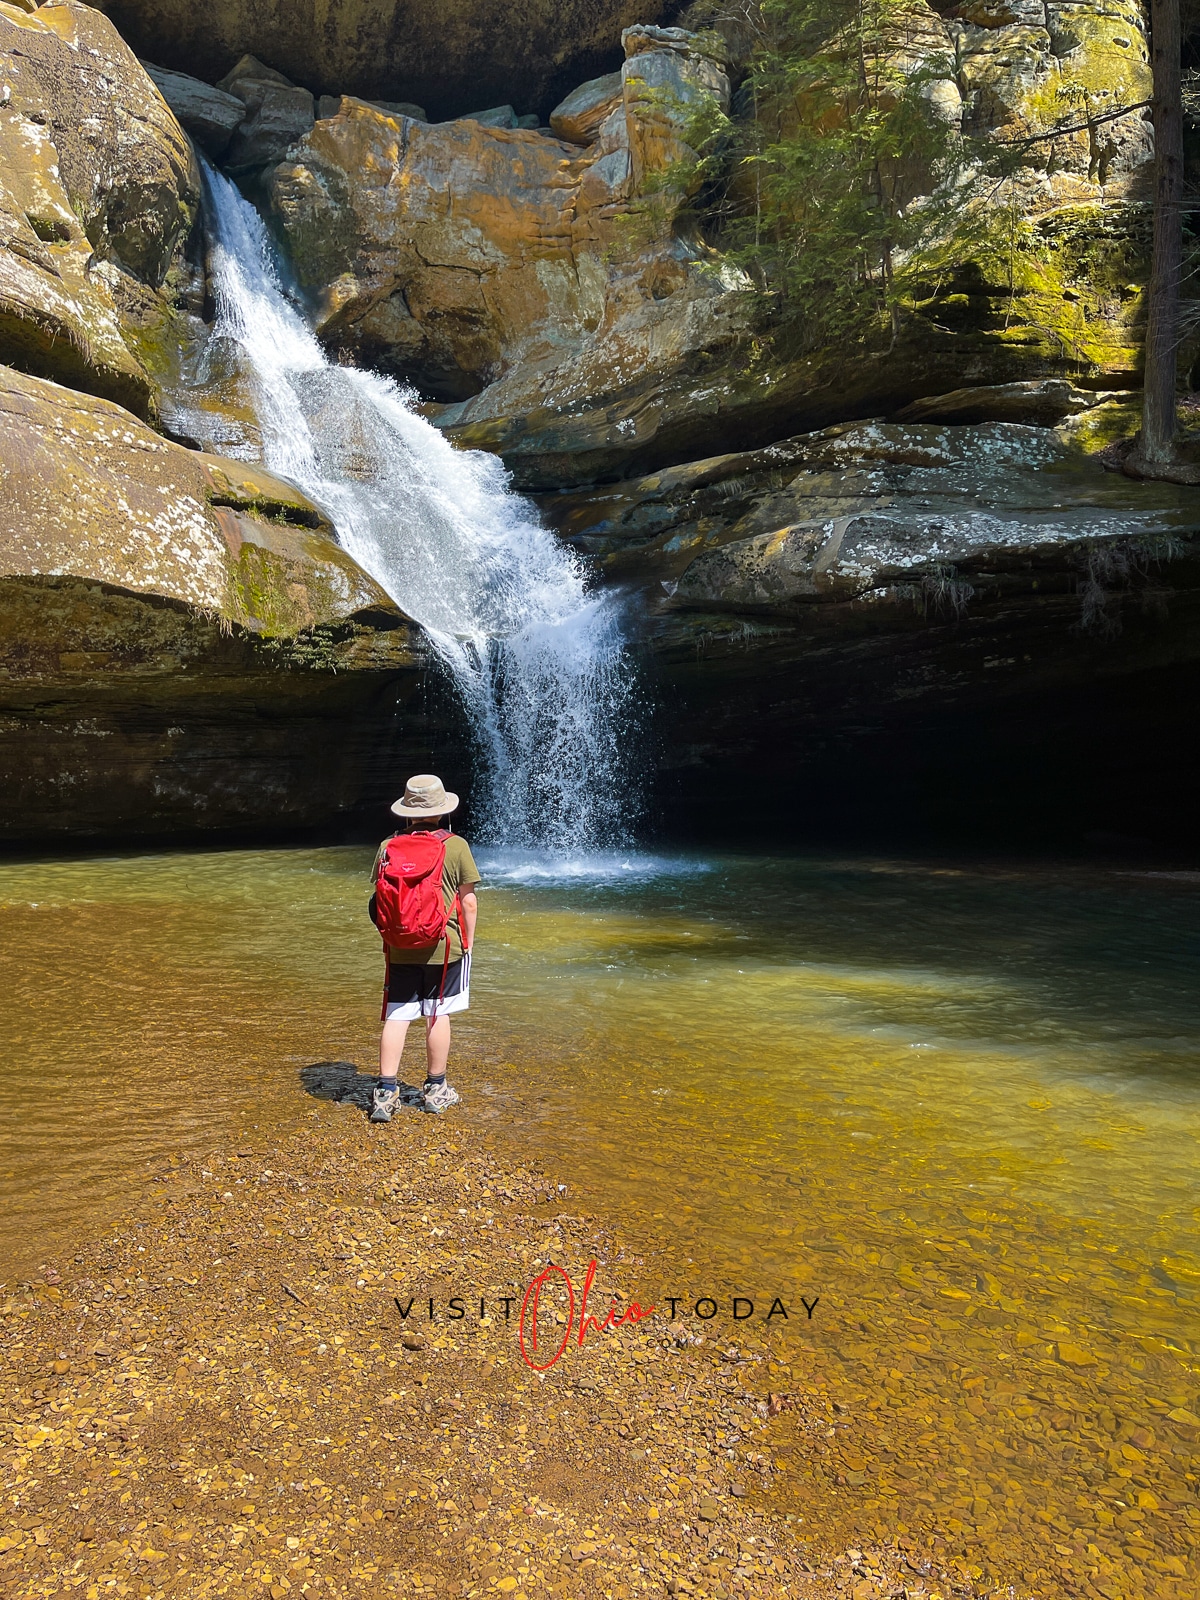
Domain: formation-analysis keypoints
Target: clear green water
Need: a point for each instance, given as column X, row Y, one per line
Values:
column 961, row 1105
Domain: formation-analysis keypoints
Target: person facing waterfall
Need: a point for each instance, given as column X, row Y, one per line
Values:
column 424, row 906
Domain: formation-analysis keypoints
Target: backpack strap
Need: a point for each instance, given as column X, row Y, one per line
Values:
column 462, row 939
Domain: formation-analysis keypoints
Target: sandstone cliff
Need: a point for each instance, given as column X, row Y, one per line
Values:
column 99, row 192
column 185, row 648
column 531, row 271
column 559, row 291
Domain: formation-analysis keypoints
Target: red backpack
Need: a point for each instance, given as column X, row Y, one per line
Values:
column 410, row 909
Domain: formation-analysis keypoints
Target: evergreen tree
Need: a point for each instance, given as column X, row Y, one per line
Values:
column 848, row 162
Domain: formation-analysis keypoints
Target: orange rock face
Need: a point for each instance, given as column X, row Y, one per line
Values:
column 549, row 276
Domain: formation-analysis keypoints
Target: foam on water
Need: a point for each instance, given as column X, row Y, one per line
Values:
column 532, row 869
column 536, row 659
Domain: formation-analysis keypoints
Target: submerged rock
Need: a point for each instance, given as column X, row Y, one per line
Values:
column 183, row 646
column 99, row 191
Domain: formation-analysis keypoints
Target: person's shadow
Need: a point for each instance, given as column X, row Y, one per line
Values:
column 343, row 1083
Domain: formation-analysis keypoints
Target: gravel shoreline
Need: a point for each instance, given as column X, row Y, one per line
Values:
column 221, row 1397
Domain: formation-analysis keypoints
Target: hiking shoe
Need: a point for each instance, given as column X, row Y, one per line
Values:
column 439, row 1096
column 383, row 1103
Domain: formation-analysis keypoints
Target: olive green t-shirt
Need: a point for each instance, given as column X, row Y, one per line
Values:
column 458, row 870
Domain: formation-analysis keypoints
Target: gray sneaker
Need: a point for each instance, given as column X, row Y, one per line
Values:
column 383, row 1103
column 440, row 1096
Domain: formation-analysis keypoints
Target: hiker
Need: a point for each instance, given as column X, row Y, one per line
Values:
column 424, row 906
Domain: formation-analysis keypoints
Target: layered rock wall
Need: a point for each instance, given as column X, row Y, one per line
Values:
column 887, row 623
column 183, row 647
column 557, row 292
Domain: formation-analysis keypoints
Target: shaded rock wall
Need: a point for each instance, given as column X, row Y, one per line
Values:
column 452, row 56
column 883, row 626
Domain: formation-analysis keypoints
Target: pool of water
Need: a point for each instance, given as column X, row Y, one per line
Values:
column 957, row 1103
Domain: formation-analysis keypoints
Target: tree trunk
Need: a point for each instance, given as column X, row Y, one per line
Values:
column 1162, row 326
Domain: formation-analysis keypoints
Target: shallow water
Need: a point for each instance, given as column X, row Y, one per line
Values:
column 958, row 1104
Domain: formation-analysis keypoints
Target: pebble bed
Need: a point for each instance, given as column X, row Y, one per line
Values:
column 220, row 1397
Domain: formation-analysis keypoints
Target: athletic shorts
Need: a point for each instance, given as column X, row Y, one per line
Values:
column 412, row 991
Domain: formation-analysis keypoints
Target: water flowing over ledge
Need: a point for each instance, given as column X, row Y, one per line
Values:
column 536, row 660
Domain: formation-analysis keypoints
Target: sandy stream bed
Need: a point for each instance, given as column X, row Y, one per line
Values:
column 217, row 1398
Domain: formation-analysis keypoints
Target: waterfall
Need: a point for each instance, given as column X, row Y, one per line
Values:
column 536, row 660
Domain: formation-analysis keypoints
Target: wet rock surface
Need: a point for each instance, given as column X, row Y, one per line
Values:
column 184, row 647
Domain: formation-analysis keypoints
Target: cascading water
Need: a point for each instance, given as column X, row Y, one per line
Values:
column 536, row 660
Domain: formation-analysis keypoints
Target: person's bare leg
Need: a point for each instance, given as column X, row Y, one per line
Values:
column 437, row 1046
column 391, row 1047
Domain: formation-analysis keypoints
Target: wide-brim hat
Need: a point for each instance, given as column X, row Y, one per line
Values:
column 425, row 796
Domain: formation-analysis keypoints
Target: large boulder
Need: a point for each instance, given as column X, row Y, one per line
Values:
column 183, row 646
column 579, row 117
column 551, row 277
column 277, row 113
column 205, row 112
column 99, row 190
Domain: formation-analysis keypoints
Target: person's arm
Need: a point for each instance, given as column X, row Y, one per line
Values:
column 470, row 910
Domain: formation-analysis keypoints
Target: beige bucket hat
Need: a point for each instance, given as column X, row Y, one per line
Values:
column 425, row 796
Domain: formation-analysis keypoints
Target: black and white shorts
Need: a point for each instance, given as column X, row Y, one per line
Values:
column 412, row 990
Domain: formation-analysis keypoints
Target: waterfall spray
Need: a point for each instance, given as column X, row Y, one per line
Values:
column 536, row 660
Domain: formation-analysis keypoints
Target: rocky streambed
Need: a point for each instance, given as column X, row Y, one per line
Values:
column 223, row 1398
